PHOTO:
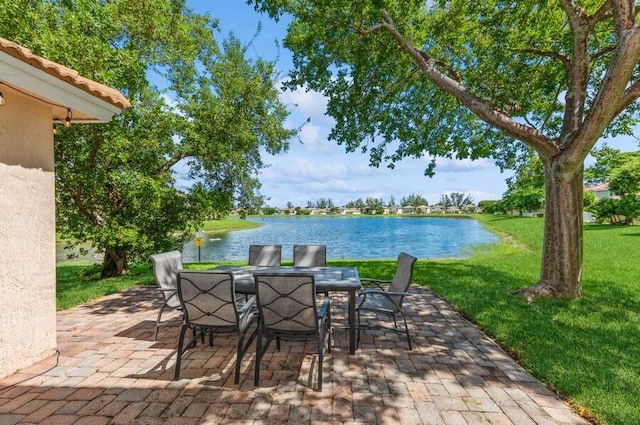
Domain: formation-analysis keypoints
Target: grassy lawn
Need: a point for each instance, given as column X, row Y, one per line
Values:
column 586, row 349
column 228, row 225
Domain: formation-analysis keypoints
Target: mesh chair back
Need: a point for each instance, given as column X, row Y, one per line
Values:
column 309, row 255
column 402, row 278
column 165, row 266
column 265, row 255
column 207, row 298
column 287, row 303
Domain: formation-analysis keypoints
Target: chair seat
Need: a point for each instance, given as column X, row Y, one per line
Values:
column 377, row 302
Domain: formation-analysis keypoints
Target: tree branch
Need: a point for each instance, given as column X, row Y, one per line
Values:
column 629, row 96
column 624, row 16
column 613, row 94
column 170, row 163
column 550, row 54
column 531, row 136
column 603, row 51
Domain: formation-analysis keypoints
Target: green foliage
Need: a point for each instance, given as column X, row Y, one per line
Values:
column 117, row 184
column 489, row 206
column 588, row 200
column 621, row 171
column 503, row 53
column 269, row 211
column 323, row 203
column 456, row 199
column 624, row 180
column 413, row 200
column 606, row 209
column 606, row 160
column 373, row 206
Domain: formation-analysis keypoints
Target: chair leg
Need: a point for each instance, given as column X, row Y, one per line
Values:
column 320, row 361
column 406, row 328
column 328, row 329
column 242, row 349
column 179, row 353
column 256, row 379
column 155, row 334
column 359, row 327
column 239, row 355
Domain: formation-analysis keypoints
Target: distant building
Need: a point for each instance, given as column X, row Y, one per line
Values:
column 600, row 191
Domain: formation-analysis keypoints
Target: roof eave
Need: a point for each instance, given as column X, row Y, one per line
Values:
column 52, row 89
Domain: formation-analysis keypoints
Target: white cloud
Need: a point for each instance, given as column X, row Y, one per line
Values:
column 308, row 103
column 449, row 165
column 314, row 138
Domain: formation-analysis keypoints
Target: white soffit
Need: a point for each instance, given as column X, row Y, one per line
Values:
column 50, row 89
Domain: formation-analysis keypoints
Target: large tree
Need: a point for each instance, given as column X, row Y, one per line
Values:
column 477, row 79
column 117, row 184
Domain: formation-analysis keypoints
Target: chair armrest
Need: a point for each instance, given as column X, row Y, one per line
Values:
column 387, row 293
column 165, row 289
column 376, row 282
column 381, row 292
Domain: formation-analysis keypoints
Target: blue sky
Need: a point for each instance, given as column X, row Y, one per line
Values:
column 317, row 168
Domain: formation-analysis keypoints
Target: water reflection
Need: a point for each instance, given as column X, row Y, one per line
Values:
column 349, row 237
column 345, row 237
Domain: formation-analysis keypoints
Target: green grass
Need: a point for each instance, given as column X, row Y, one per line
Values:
column 227, row 225
column 586, row 349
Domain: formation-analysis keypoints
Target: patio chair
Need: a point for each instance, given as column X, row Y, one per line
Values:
column 209, row 304
column 309, row 255
column 165, row 265
column 265, row 255
column 387, row 301
column 287, row 309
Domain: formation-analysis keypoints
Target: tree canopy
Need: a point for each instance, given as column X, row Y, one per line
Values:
column 118, row 185
column 468, row 79
column 621, row 172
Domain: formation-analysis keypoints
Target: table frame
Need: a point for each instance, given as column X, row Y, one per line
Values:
column 348, row 282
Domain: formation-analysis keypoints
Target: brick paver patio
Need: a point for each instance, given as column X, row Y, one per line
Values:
column 110, row 371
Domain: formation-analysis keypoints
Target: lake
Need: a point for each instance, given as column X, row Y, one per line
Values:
column 350, row 237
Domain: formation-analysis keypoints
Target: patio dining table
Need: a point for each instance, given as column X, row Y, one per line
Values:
column 328, row 279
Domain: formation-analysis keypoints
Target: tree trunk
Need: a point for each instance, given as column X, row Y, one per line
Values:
column 114, row 263
column 561, row 271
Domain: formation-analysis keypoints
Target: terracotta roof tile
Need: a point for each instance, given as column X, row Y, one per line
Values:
column 107, row 94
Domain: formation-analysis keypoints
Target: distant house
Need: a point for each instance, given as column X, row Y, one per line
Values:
column 600, row 191
column 318, row 211
column 437, row 209
column 348, row 211
column 391, row 209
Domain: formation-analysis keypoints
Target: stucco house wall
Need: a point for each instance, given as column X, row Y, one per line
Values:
column 27, row 248
column 36, row 93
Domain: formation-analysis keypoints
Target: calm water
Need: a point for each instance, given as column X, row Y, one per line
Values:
column 349, row 237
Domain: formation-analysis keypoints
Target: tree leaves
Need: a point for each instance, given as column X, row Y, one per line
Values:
column 124, row 186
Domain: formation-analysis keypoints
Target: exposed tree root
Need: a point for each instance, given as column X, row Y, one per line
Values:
column 539, row 290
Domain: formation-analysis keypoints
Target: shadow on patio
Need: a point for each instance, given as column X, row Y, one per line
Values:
column 110, row 370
